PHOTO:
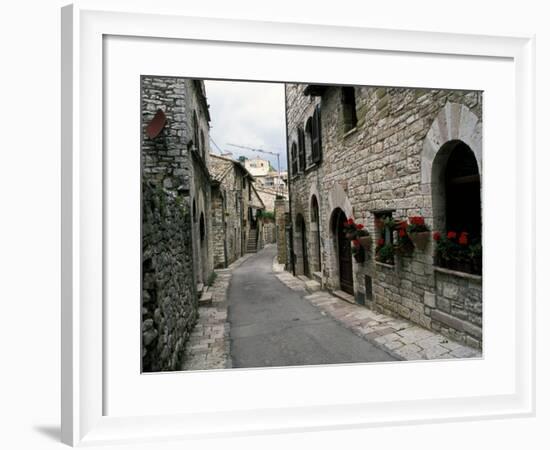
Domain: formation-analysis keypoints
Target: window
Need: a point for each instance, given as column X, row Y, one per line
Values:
column 309, row 140
column 349, row 112
column 316, row 153
column 463, row 192
column 301, row 151
column 294, row 158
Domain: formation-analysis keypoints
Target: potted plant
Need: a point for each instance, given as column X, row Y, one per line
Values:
column 357, row 232
column 358, row 251
column 419, row 232
column 463, row 258
column 404, row 245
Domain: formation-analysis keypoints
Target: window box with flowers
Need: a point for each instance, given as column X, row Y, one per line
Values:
column 357, row 233
column 404, row 245
column 455, row 251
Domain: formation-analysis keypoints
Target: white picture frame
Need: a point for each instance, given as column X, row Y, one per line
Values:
column 84, row 29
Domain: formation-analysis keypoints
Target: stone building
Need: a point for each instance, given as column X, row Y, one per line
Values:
column 235, row 209
column 176, row 226
column 383, row 154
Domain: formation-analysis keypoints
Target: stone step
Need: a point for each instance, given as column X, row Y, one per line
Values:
column 313, row 286
column 205, row 299
column 344, row 296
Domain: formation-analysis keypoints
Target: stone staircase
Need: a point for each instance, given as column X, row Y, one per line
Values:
column 251, row 244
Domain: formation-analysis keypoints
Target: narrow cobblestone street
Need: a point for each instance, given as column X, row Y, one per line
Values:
column 257, row 315
column 274, row 325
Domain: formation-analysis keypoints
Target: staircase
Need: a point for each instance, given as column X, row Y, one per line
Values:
column 251, row 244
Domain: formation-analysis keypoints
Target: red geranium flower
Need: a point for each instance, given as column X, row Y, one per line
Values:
column 380, row 242
column 402, row 232
column 417, row 220
column 451, row 235
column 355, row 242
column 463, row 239
column 437, row 236
column 360, row 226
column 350, row 221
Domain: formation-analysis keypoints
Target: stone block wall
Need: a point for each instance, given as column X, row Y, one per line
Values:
column 381, row 165
column 169, row 298
column 281, row 212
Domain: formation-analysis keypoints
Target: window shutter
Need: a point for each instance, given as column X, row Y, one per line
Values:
column 301, row 150
column 294, row 159
column 316, row 136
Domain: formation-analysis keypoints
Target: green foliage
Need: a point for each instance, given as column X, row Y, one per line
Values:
column 385, row 253
column 265, row 215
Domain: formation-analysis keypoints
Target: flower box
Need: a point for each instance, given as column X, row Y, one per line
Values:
column 420, row 239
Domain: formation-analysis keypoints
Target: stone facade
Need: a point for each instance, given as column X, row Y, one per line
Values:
column 235, row 202
column 281, row 221
column 388, row 161
column 177, row 249
column 169, row 298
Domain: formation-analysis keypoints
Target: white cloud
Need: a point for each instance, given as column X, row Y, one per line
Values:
column 249, row 114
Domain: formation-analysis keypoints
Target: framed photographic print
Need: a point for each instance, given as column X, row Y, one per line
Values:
column 278, row 227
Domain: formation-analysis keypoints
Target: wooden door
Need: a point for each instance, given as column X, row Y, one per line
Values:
column 304, row 248
column 344, row 257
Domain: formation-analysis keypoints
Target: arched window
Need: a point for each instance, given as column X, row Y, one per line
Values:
column 316, row 146
column 294, row 158
column 194, row 210
column 462, row 190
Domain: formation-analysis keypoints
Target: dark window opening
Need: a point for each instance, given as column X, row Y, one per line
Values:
column 196, row 132
column 349, row 111
column 316, row 135
column 463, row 192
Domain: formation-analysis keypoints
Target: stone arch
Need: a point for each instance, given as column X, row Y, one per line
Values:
column 337, row 198
column 454, row 122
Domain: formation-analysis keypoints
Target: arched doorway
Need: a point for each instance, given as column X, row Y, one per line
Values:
column 315, row 235
column 302, row 242
column 343, row 251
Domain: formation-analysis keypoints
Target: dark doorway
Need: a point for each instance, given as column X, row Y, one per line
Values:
column 345, row 266
column 302, row 225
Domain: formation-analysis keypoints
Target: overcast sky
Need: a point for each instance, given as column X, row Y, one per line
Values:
column 249, row 114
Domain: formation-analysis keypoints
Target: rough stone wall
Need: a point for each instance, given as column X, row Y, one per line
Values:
column 218, row 229
column 281, row 211
column 376, row 166
column 169, row 298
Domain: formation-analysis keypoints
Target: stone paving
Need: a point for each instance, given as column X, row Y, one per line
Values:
column 208, row 346
column 400, row 338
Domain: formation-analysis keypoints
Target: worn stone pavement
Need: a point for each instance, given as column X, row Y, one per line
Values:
column 399, row 337
column 208, row 346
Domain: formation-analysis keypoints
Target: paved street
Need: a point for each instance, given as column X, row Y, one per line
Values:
column 274, row 325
